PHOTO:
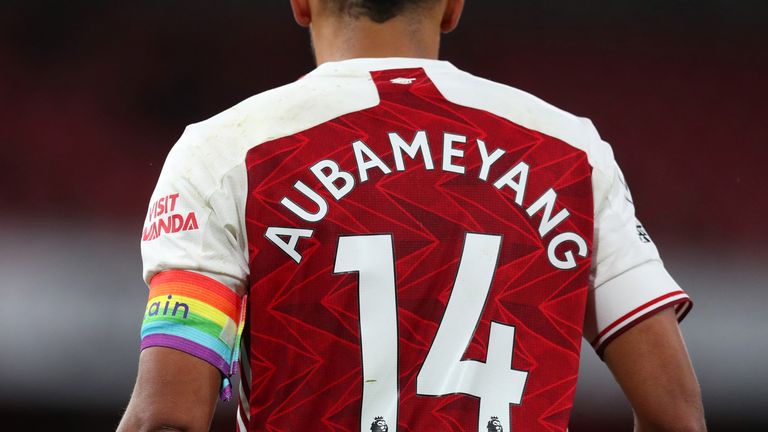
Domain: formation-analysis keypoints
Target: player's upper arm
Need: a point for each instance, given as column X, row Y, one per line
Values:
column 651, row 364
column 633, row 307
column 629, row 282
column 194, row 251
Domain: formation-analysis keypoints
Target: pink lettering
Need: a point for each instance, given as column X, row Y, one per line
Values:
column 177, row 223
column 168, row 225
column 173, row 198
column 191, row 223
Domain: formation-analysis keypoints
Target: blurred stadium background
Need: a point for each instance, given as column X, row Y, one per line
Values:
column 93, row 94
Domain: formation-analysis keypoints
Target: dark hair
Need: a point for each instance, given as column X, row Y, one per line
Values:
column 376, row 10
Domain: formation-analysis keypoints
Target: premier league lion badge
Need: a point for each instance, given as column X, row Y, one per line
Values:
column 379, row 425
column 494, row 425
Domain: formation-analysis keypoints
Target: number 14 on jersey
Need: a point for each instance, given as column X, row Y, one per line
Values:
column 443, row 372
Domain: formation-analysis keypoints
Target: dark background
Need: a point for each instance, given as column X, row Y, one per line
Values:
column 93, row 95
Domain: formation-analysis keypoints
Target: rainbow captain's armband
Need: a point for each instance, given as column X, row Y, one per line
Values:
column 198, row 315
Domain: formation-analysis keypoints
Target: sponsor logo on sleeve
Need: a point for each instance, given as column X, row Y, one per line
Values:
column 164, row 218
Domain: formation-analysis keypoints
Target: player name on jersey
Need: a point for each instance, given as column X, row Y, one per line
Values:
column 340, row 183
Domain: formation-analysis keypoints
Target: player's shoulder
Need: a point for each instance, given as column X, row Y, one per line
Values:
column 529, row 111
column 291, row 108
column 222, row 141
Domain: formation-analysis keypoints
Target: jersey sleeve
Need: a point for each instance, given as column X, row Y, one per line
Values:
column 194, row 260
column 629, row 280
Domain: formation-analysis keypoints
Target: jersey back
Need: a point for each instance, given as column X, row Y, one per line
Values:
column 415, row 265
column 395, row 244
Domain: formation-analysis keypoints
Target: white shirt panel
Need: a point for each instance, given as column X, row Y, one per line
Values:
column 217, row 248
column 629, row 278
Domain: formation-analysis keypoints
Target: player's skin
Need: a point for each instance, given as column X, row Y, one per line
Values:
column 178, row 392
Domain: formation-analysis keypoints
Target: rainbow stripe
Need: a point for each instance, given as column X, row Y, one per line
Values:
column 198, row 315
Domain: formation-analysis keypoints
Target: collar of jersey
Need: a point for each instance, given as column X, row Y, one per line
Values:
column 363, row 66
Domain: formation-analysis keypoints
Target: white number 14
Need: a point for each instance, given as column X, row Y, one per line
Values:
column 494, row 382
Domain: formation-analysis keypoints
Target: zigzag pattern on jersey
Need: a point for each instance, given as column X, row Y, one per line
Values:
column 304, row 330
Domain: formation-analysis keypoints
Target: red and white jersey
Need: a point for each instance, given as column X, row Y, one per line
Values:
column 418, row 249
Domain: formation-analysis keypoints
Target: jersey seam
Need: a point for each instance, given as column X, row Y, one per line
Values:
column 650, row 261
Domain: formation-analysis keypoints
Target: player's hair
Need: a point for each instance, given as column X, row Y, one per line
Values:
column 378, row 11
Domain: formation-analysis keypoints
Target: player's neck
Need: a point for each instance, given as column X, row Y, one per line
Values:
column 343, row 39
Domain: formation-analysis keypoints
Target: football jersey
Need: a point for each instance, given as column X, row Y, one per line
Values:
column 396, row 245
